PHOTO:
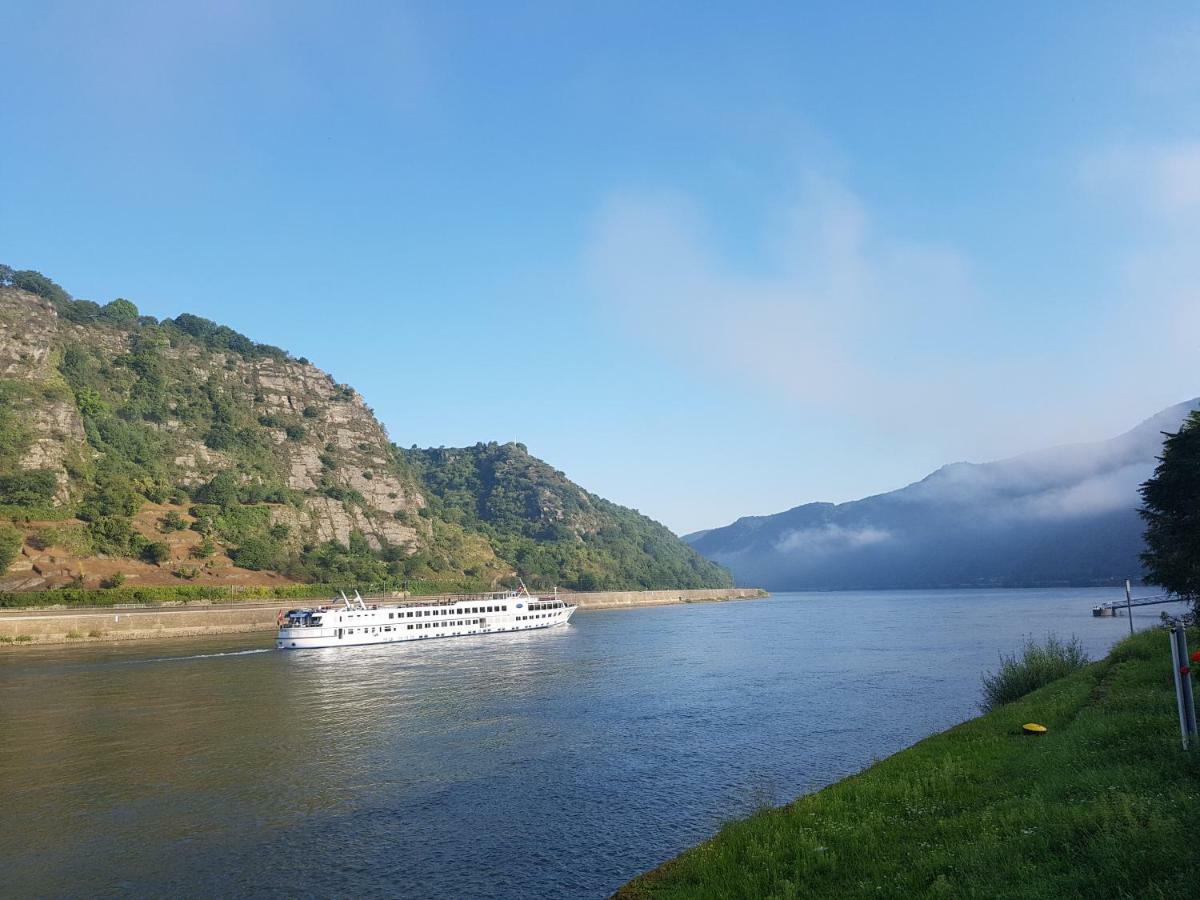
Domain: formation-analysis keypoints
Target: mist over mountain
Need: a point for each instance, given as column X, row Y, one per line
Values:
column 1062, row 516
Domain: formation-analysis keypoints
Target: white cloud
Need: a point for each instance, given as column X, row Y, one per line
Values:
column 830, row 538
column 834, row 315
column 822, row 321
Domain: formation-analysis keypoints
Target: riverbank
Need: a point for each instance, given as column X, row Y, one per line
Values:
column 1102, row 805
column 25, row 627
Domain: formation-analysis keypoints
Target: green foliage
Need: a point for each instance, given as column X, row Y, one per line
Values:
column 10, row 546
column 37, row 283
column 222, row 337
column 31, row 487
column 15, row 436
column 1171, row 510
column 203, row 550
column 156, row 552
column 74, row 539
column 172, row 521
column 112, row 535
column 1036, row 666
column 77, row 597
column 147, row 392
column 258, row 553
column 115, row 580
column 120, row 311
column 551, row 531
column 342, row 493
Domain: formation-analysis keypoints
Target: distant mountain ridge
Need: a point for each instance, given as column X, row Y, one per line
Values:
column 1061, row 516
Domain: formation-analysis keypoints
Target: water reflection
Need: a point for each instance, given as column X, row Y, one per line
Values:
column 553, row 763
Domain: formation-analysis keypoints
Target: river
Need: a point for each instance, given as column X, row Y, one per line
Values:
column 543, row 764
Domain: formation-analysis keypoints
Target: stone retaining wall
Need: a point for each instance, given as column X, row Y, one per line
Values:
column 90, row 625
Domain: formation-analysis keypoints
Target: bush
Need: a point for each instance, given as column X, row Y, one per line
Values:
column 1037, row 665
column 295, row 432
column 172, row 521
column 115, row 536
column 115, row 580
column 34, row 487
column 156, row 552
column 10, row 546
column 203, row 550
column 258, row 554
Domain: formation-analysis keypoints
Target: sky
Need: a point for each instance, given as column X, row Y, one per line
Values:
column 709, row 259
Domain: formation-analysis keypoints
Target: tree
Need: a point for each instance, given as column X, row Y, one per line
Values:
column 1171, row 509
column 119, row 310
column 37, row 283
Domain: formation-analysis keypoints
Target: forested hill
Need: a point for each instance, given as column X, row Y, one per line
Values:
column 546, row 525
column 143, row 452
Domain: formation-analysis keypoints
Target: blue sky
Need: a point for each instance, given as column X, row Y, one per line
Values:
column 708, row 259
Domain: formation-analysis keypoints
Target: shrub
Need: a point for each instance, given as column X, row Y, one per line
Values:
column 115, row 536
column 10, row 545
column 203, row 550
column 257, row 553
column 156, row 552
column 172, row 521
column 310, row 412
column 1035, row 666
column 115, row 580
column 35, row 487
column 295, row 432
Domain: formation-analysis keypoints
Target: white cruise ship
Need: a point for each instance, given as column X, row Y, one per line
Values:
column 353, row 622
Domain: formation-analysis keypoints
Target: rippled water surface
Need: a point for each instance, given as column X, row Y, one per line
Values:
column 550, row 764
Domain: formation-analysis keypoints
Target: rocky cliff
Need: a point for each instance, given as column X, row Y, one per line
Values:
column 180, row 449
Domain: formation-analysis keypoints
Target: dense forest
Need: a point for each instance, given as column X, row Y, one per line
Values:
column 549, row 528
column 132, row 447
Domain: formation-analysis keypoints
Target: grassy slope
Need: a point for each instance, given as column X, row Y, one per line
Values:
column 1105, row 805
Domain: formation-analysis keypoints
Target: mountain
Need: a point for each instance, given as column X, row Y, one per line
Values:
column 175, row 451
column 1063, row 516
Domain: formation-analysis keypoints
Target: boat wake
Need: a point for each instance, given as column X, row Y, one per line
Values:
column 207, row 655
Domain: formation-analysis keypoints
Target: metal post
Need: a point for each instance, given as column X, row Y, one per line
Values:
column 1175, row 664
column 1129, row 605
column 1189, row 702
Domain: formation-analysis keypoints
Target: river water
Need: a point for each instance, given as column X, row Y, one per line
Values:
column 543, row 764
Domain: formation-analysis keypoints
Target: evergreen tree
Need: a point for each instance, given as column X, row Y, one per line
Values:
column 1171, row 509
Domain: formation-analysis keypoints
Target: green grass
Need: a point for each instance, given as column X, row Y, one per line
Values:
column 88, row 597
column 1104, row 805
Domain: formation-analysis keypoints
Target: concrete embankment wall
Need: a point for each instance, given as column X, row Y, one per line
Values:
column 58, row 626
column 617, row 599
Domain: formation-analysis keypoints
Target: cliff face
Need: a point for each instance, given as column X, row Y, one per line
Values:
column 269, row 394
column 180, row 449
